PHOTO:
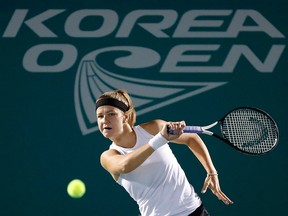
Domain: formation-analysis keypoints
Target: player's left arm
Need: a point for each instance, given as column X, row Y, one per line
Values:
column 199, row 149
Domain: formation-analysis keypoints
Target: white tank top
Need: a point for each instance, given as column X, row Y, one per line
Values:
column 159, row 185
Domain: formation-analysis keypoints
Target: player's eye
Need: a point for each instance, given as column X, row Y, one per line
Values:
column 112, row 114
column 99, row 116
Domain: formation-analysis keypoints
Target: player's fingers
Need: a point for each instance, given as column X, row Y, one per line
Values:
column 223, row 197
column 226, row 200
column 205, row 186
column 179, row 124
column 176, row 127
column 216, row 190
column 182, row 124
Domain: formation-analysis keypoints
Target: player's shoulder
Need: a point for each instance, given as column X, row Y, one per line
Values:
column 109, row 152
column 154, row 126
column 106, row 155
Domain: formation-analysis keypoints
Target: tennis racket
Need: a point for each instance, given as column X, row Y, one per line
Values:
column 247, row 129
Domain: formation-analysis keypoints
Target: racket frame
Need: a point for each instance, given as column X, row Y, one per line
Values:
column 225, row 139
column 204, row 130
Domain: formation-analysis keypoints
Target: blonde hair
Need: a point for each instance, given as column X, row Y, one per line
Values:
column 123, row 96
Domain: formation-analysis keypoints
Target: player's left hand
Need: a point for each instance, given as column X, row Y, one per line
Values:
column 212, row 182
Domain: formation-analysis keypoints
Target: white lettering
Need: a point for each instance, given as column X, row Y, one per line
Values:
column 237, row 24
column 191, row 23
column 268, row 65
column 181, row 55
column 30, row 59
column 110, row 21
column 35, row 23
column 192, row 19
column 182, row 58
column 15, row 23
column 168, row 19
column 178, row 55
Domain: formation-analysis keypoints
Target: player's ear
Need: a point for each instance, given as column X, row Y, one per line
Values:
column 126, row 117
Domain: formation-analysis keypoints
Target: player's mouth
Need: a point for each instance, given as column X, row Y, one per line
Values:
column 107, row 128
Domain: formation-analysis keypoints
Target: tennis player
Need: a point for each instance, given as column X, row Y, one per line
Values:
column 141, row 161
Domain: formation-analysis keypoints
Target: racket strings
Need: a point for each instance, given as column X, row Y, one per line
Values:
column 250, row 131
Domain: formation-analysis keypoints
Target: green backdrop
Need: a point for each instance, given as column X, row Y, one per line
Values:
column 196, row 61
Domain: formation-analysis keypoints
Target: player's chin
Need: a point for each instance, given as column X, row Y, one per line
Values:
column 106, row 133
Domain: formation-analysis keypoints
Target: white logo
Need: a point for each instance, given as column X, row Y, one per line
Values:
column 187, row 53
column 147, row 95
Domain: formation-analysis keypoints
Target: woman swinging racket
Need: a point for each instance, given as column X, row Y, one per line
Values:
column 140, row 159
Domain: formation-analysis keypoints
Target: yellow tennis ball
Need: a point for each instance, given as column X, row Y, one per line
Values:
column 76, row 188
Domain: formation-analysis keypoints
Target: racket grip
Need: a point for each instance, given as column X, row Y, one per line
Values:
column 188, row 129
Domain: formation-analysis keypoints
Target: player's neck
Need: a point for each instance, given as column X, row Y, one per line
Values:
column 127, row 139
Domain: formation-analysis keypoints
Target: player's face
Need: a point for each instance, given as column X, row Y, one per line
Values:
column 110, row 121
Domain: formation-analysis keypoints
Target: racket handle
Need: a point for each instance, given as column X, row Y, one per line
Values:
column 188, row 129
column 192, row 129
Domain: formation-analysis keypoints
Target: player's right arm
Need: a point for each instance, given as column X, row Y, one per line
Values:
column 117, row 164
